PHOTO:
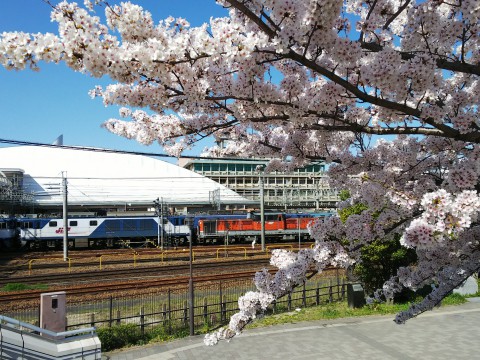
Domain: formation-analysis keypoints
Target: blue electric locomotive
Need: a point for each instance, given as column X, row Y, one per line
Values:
column 99, row 231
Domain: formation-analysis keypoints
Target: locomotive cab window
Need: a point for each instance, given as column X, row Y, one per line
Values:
column 27, row 225
column 52, row 224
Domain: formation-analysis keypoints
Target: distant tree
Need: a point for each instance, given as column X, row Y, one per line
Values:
column 300, row 81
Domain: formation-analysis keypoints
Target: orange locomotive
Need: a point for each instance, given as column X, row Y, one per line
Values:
column 278, row 227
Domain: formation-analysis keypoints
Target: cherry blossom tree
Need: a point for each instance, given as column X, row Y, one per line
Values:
column 385, row 91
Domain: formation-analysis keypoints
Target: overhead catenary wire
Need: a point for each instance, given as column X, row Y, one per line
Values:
column 104, row 150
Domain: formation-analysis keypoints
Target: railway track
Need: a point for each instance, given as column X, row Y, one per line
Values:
column 34, row 295
column 156, row 271
column 101, row 258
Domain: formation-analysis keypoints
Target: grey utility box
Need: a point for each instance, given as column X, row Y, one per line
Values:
column 53, row 314
column 355, row 295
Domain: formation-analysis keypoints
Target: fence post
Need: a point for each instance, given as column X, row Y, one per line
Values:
column 111, row 311
column 220, row 302
column 118, row 317
column 223, row 307
column 185, row 313
column 330, row 292
column 164, row 314
column 343, row 289
column 304, row 295
column 317, row 296
column 205, row 311
column 289, row 301
column 142, row 320
column 338, row 283
column 169, row 312
column 92, row 319
column 274, row 306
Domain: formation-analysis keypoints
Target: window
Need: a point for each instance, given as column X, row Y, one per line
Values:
column 73, row 223
column 93, row 222
column 52, row 224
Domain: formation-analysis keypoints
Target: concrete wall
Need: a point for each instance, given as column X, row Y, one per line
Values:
column 19, row 344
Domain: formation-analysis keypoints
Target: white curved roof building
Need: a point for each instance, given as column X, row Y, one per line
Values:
column 101, row 178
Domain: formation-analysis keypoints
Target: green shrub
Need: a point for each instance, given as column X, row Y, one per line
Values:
column 159, row 333
column 119, row 336
column 380, row 259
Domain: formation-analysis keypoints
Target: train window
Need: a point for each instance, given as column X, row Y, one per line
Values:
column 52, row 224
column 93, row 222
column 73, row 223
column 3, row 225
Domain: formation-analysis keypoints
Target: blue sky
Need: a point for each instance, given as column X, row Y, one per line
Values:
column 39, row 106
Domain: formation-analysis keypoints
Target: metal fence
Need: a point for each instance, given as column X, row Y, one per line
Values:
column 214, row 303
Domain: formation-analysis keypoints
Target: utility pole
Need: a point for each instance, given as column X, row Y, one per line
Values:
column 262, row 211
column 159, row 210
column 299, row 235
column 65, row 216
column 190, row 290
column 161, row 221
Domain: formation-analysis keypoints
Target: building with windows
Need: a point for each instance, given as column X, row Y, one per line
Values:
column 305, row 188
column 12, row 195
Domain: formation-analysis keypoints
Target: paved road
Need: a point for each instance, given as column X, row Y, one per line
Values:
column 445, row 333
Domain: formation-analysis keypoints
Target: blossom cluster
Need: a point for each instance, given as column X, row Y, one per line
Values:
column 443, row 219
column 292, row 271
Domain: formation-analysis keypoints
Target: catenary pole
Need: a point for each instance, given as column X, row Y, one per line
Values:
column 161, row 222
column 65, row 216
column 190, row 290
column 262, row 212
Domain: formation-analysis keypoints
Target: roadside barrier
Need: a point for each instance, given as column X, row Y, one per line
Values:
column 278, row 246
column 227, row 249
column 30, row 262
